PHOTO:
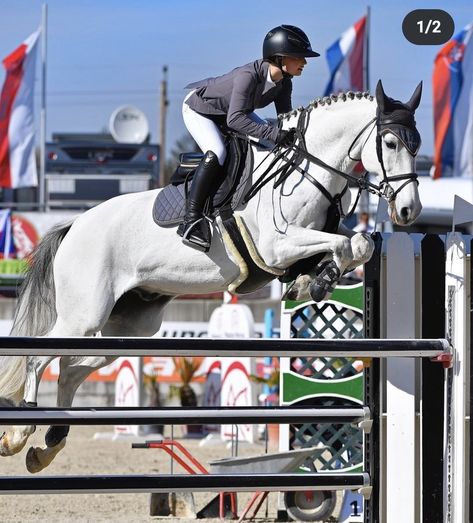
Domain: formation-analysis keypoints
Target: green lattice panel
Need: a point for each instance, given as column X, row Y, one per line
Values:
column 327, row 381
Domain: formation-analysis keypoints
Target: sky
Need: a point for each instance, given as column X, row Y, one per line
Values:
column 105, row 53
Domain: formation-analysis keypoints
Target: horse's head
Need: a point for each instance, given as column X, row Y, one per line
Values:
column 391, row 154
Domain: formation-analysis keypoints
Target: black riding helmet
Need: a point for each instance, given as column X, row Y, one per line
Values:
column 287, row 40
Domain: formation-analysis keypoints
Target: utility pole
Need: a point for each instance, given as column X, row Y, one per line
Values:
column 42, row 164
column 164, row 102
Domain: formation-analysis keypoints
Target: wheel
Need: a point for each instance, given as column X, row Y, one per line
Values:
column 310, row 505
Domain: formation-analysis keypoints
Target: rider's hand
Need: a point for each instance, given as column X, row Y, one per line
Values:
column 286, row 138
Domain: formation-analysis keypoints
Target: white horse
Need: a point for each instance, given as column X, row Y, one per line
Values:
column 113, row 270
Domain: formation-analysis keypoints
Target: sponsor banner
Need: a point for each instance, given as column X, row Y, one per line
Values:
column 235, row 320
column 237, row 391
column 29, row 227
column 128, row 389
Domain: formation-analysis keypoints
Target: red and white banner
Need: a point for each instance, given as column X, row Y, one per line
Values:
column 17, row 133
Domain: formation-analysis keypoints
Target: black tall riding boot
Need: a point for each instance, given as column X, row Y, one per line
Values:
column 195, row 229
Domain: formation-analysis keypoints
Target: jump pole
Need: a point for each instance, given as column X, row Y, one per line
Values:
column 189, row 347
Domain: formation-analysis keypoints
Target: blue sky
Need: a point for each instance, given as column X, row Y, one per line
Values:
column 106, row 53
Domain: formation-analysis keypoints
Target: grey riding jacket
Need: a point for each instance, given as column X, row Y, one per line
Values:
column 237, row 94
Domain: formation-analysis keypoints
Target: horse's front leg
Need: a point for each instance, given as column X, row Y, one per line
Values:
column 282, row 251
column 13, row 440
column 73, row 371
column 362, row 246
column 328, row 274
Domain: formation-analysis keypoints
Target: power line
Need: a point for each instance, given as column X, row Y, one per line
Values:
column 108, row 92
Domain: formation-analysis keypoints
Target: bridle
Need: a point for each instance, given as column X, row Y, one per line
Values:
column 293, row 162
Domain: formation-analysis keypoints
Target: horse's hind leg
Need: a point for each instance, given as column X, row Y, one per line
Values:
column 135, row 314
column 73, row 371
column 75, row 318
column 13, row 440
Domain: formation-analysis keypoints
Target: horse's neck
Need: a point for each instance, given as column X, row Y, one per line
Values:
column 333, row 128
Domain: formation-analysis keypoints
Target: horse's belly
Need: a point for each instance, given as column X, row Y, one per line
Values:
column 118, row 242
column 190, row 274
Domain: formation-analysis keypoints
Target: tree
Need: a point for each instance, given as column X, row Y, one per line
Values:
column 186, row 369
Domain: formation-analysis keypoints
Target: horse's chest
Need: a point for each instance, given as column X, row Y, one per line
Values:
column 312, row 213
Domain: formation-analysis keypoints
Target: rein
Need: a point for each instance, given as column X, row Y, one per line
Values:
column 292, row 163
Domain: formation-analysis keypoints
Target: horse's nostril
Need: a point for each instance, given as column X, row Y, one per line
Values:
column 405, row 213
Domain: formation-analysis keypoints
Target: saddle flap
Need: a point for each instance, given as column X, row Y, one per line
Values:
column 188, row 162
column 169, row 207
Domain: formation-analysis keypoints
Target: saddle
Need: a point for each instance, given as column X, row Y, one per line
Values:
column 170, row 205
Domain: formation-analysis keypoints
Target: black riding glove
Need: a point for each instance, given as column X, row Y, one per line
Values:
column 286, row 138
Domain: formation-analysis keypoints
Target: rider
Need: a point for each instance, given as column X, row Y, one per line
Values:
column 229, row 101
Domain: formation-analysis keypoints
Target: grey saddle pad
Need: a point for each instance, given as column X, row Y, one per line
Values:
column 170, row 205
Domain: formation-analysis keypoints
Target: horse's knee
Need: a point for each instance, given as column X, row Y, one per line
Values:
column 362, row 246
column 343, row 249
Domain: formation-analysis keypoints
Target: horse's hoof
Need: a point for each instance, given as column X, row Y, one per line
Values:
column 33, row 464
column 4, row 447
column 325, row 281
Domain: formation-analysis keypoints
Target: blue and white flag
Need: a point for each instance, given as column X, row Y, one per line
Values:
column 346, row 58
column 453, row 106
column 7, row 247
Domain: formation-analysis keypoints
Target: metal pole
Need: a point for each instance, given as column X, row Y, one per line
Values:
column 164, row 102
column 184, row 416
column 108, row 346
column 366, row 196
column 183, row 483
column 366, row 51
column 42, row 168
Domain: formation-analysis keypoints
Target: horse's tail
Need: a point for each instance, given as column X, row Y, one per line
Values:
column 35, row 312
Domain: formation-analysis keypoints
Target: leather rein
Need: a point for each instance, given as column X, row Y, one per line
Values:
column 292, row 162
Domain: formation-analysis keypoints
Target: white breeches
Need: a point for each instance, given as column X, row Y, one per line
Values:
column 206, row 133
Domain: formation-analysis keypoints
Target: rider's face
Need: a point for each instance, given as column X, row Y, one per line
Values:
column 292, row 65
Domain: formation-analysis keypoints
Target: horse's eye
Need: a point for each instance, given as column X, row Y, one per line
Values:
column 391, row 145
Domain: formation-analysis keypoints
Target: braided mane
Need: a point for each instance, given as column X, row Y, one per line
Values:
column 327, row 100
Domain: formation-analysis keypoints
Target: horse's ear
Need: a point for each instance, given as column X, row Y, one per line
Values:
column 380, row 96
column 413, row 103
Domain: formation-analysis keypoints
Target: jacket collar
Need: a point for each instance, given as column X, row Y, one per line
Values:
column 263, row 68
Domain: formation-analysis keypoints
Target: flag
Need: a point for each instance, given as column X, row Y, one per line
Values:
column 17, row 138
column 346, row 58
column 462, row 211
column 7, row 248
column 452, row 82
